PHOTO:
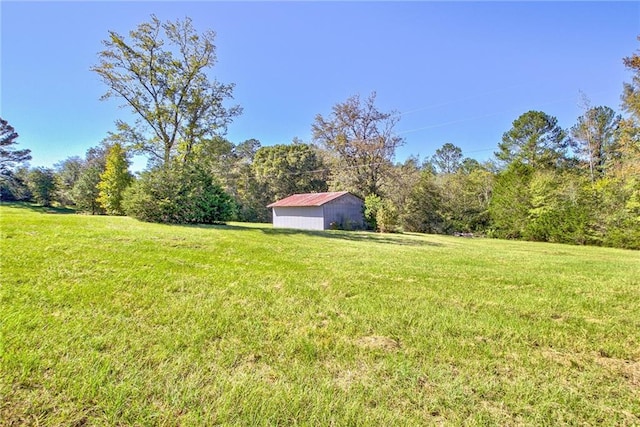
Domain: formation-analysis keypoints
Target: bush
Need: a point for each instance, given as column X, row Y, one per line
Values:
column 372, row 204
column 387, row 217
column 179, row 195
column 381, row 215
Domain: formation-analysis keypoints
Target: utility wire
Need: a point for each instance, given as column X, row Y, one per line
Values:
column 452, row 122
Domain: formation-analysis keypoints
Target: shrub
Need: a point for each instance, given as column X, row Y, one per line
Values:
column 372, row 204
column 381, row 215
column 387, row 217
column 179, row 195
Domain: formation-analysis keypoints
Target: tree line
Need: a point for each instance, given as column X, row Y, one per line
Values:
column 579, row 185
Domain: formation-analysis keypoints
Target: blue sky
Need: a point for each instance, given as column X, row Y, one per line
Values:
column 458, row 72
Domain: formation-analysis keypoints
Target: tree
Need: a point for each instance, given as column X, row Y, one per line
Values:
column 616, row 219
column 464, row 199
column 627, row 162
column 422, row 211
column 217, row 155
column 290, row 169
column 447, row 159
column 361, row 143
column 401, row 180
column 387, row 217
column 372, row 204
column 511, row 201
column 85, row 191
column 631, row 90
column 594, row 136
column 535, row 139
column 231, row 166
column 557, row 212
column 10, row 157
column 160, row 72
column 251, row 196
column 14, row 186
column 187, row 194
column 381, row 214
column 114, row 180
column 67, row 172
column 42, row 184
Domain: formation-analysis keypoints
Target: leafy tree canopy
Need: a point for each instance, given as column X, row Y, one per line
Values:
column 160, row 73
column 42, row 184
column 290, row 169
column 631, row 90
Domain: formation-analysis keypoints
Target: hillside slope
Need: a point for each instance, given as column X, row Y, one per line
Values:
column 107, row 320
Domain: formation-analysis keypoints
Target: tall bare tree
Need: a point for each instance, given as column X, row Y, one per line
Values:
column 361, row 143
column 594, row 135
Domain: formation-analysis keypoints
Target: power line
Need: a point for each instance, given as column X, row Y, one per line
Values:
column 468, row 98
column 451, row 122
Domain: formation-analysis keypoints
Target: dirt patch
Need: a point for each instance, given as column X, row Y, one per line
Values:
column 252, row 365
column 378, row 342
column 346, row 377
column 560, row 358
column 628, row 369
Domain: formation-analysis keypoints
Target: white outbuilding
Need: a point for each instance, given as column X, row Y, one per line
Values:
column 319, row 211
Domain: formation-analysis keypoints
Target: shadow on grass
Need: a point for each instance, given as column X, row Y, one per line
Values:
column 39, row 208
column 354, row 236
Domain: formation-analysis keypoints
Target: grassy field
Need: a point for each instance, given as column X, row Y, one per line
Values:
column 110, row 321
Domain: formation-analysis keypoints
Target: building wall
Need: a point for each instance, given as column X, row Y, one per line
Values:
column 346, row 212
column 305, row 218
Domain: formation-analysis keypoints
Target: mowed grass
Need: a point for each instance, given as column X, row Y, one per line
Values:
column 111, row 321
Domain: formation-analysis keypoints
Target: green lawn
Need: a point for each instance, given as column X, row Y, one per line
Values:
column 107, row 321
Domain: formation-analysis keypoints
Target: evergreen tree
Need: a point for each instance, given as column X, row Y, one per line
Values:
column 535, row 139
column 9, row 156
column 511, row 201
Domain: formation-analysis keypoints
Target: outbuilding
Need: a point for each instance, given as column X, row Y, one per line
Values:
column 319, row 211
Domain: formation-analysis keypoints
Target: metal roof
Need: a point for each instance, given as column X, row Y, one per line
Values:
column 308, row 199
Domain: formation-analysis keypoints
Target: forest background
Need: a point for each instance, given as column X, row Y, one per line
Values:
column 578, row 185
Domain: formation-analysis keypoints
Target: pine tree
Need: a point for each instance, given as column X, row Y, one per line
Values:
column 9, row 156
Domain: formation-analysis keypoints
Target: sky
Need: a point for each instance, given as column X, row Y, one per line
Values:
column 457, row 72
